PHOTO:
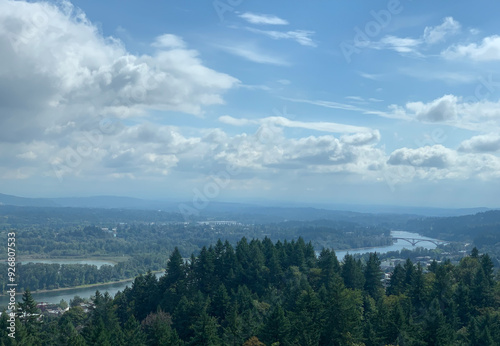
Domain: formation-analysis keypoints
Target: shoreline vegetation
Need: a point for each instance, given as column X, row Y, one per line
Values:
column 85, row 286
column 111, row 259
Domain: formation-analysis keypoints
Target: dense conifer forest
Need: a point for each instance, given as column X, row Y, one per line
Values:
column 281, row 293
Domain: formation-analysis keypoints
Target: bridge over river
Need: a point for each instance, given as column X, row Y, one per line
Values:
column 415, row 241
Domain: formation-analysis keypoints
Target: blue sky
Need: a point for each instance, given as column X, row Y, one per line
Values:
column 386, row 102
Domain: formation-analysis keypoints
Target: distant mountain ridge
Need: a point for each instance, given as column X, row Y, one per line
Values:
column 26, row 202
column 227, row 208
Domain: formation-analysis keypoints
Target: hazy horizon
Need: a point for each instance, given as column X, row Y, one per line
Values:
column 358, row 207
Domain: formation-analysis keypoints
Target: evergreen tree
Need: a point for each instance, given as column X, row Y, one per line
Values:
column 306, row 320
column 352, row 273
column 487, row 265
column 343, row 315
column 276, row 328
column 220, row 303
column 417, row 289
column 255, row 265
column 4, row 323
column 229, row 266
column 481, row 290
column 204, row 271
column 397, row 281
column 329, row 265
column 310, row 255
column 158, row 330
column 464, row 308
column 184, row 317
column 175, row 273
column 409, row 273
column 371, row 321
column 437, row 331
column 233, row 331
column 133, row 334
column 68, row 335
column 373, row 277
column 396, row 323
column 474, row 253
column 29, row 312
column 102, row 327
column 25, row 337
column 205, row 331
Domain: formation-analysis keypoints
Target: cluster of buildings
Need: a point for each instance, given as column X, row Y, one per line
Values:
column 51, row 309
column 111, row 231
column 56, row 309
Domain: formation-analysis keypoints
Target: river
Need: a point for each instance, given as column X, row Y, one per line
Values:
column 397, row 246
column 113, row 288
column 53, row 297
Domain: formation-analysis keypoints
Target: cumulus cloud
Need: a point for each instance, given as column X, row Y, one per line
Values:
column 58, row 70
column 468, row 113
column 483, row 143
column 60, row 80
column 436, row 156
column 268, row 149
column 442, row 109
column 487, row 50
column 363, row 138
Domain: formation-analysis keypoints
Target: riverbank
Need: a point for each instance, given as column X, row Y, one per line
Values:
column 113, row 260
column 97, row 285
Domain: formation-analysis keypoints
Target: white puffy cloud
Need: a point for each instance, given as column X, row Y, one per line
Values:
column 487, row 50
column 440, row 163
column 436, row 156
column 468, row 113
column 483, row 143
column 442, row 109
column 57, row 70
column 269, row 148
column 362, row 138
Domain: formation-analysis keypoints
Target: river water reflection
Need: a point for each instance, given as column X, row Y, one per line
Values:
column 397, row 246
column 112, row 289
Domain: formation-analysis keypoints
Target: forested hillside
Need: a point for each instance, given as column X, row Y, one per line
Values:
column 481, row 229
column 260, row 292
column 465, row 227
